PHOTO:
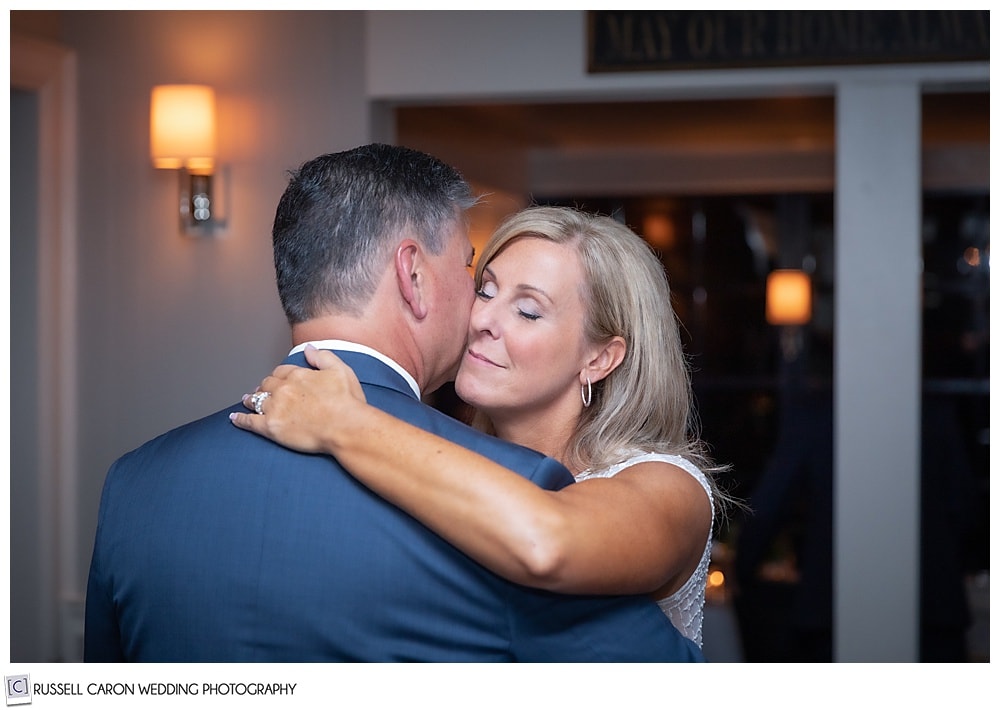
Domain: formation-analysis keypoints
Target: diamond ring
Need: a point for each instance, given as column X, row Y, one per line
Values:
column 258, row 401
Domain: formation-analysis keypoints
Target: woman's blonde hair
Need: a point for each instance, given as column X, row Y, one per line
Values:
column 646, row 403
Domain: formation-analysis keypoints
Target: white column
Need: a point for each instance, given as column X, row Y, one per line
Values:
column 877, row 372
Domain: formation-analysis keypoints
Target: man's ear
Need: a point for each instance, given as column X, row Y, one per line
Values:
column 409, row 265
column 605, row 359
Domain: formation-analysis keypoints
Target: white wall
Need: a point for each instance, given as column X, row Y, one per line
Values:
column 877, row 374
column 420, row 56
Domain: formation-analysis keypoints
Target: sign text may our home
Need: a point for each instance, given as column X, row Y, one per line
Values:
column 635, row 40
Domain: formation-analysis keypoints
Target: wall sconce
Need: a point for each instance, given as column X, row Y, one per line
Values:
column 789, row 304
column 789, row 297
column 182, row 137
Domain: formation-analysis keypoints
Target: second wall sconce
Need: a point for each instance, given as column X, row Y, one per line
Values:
column 182, row 137
column 789, row 297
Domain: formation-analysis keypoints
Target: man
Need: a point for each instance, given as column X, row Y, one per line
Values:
column 216, row 545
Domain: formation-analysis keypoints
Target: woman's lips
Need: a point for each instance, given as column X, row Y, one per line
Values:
column 481, row 358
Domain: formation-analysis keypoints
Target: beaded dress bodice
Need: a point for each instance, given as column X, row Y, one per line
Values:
column 685, row 607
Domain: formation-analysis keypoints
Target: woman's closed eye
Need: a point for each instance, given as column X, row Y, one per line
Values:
column 525, row 309
column 527, row 314
column 487, row 290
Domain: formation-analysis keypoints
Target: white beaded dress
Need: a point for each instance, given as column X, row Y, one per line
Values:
column 685, row 607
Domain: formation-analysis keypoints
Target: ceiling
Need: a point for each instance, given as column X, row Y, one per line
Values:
column 636, row 146
column 629, row 124
column 732, row 122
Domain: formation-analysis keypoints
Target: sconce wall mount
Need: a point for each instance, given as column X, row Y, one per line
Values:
column 182, row 137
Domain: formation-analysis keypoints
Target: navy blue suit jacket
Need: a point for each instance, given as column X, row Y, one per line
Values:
column 214, row 544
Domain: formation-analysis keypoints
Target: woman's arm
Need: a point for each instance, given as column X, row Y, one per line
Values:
column 640, row 531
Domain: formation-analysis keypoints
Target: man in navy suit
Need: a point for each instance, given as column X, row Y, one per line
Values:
column 217, row 545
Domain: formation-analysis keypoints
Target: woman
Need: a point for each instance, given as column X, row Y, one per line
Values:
column 574, row 350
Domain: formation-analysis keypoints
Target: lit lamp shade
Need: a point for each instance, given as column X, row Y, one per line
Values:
column 182, row 127
column 789, row 297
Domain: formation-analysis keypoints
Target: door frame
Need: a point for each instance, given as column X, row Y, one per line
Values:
column 49, row 71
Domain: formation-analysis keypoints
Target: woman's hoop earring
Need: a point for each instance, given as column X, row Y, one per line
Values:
column 586, row 393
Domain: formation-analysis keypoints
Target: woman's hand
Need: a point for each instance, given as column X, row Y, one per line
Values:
column 307, row 410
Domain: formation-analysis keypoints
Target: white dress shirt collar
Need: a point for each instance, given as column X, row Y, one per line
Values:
column 358, row 348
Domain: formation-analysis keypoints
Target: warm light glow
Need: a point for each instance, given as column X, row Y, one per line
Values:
column 658, row 229
column 716, row 579
column 182, row 127
column 789, row 297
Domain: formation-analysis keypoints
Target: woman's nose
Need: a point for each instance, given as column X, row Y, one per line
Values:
column 482, row 318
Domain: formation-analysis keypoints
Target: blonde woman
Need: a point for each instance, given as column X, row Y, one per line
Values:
column 573, row 350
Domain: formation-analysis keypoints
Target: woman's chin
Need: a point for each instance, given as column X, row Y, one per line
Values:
column 468, row 392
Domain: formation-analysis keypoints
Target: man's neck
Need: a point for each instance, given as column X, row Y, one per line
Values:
column 363, row 331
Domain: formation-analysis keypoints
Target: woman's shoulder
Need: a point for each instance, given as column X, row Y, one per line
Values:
column 633, row 458
column 627, row 459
